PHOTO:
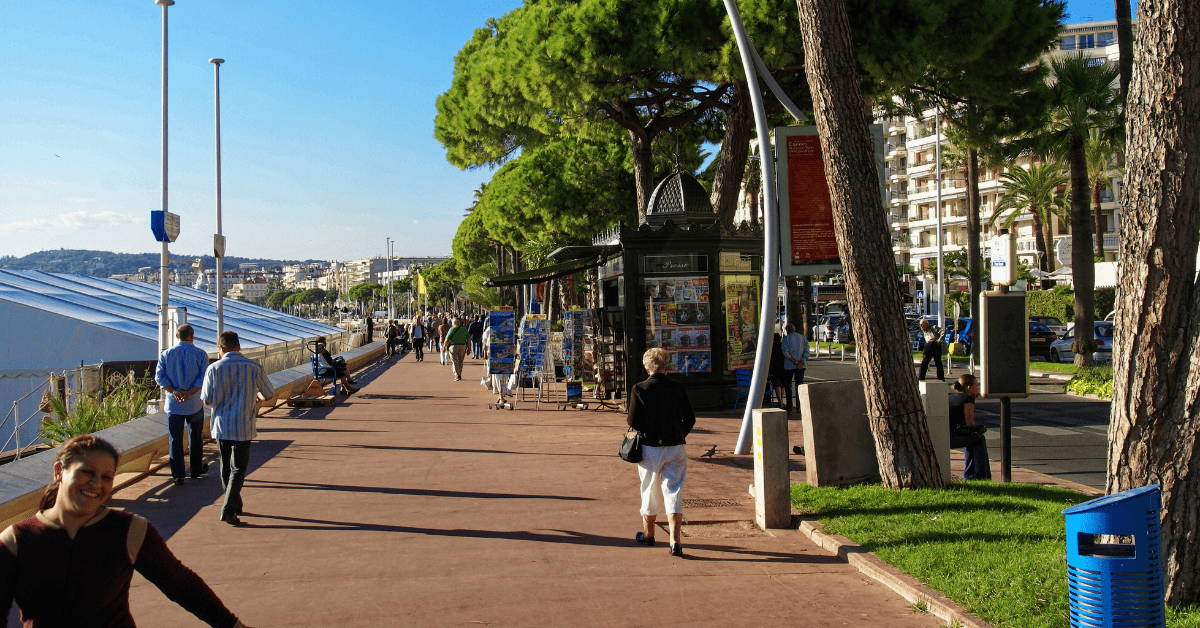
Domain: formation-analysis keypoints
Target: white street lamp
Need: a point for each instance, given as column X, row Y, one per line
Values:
column 218, row 239
column 163, row 341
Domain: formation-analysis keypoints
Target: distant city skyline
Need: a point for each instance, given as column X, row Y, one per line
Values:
column 327, row 125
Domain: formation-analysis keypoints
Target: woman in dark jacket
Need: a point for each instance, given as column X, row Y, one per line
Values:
column 659, row 409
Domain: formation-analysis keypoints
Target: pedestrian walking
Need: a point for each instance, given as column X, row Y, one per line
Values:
column 933, row 350
column 418, row 334
column 72, row 562
column 966, row 432
column 660, row 411
column 232, row 385
column 795, row 361
column 443, row 350
column 457, row 338
column 475, row 330
column 180, row 373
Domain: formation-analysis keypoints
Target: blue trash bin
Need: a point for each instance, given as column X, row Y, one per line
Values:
column 1116, row 584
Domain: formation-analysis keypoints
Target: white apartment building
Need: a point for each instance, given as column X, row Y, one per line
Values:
column 910, row 172
column 248, row 290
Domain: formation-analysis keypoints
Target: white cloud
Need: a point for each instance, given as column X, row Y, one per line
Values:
column 74, row 199
column 416, row 222
column 76, row 221
column 83, row 220
column 25, row 225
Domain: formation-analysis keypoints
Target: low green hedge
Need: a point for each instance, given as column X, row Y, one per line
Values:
column 1093, row 380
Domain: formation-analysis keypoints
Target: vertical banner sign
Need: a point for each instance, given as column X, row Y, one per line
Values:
column 808, row 245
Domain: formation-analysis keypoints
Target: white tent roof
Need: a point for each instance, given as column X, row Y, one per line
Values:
column 57, row 321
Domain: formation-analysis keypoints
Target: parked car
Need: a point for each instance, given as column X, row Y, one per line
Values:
column 1041, row 338
column 1060, row 351
column 844, row 334
column 827, row 326
column 1052, row 322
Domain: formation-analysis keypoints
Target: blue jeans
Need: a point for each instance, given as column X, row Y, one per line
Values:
column 976, row 462
column 477, row 346
column 195, row 425
column 235, row 458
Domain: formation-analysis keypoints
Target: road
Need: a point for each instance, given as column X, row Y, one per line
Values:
column 1060, row 435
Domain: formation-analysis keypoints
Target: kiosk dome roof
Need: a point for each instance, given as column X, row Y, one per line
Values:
column 679, row 198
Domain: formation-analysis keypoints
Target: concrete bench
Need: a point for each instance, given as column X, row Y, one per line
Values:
column 139, row 442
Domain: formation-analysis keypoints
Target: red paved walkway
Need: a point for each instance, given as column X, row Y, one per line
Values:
column 414, row 505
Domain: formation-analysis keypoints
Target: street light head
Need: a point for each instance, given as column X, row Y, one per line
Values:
column 165, row 3
column 216, row 61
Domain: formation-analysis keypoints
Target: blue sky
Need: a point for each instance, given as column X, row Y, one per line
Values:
column 326, row 116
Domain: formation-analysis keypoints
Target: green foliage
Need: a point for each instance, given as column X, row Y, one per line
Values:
column 365, row 292
column 277, row 300
column 1058, row 302
column 961, row 541
column 121, row 399
column 1106, row 301
column 1092, row 380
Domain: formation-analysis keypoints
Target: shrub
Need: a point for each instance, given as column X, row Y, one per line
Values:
column 121, row 399
column 1106, row 301
column 1093, row 380
column 1058, row 302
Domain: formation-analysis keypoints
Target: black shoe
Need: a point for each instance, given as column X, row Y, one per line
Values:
column 177, row 481
column 203, row 470
column 352, row 381
column 642, row 540
column 233, row 521
column 675, row 550
column 798, row 450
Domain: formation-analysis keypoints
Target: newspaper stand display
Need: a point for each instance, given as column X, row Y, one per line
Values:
column 501, row 353
column 576, row 324
column 532, row 349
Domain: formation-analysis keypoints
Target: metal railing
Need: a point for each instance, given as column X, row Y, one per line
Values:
column 67, row 376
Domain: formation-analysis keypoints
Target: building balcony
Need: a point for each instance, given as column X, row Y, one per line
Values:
column 897, row 198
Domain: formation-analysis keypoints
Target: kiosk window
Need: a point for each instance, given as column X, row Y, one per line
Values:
column 739, row 296
column 678, row 319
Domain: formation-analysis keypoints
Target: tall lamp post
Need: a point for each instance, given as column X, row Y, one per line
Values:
column 218, row 239
column 165, row 259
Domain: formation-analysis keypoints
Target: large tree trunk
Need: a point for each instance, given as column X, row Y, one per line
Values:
column 641, row 153
column 897, row 418
column 731, row 161
column 1083, row 266
column 1156, row 374
column 1124, row 46
column 974, row 257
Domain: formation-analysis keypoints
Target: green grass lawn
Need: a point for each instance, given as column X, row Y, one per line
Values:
column 998, row 550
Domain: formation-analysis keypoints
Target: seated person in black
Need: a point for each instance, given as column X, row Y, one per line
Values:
column 339, row 367
column 965, row 432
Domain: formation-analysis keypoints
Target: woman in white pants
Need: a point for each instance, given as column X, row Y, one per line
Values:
column 659, row 409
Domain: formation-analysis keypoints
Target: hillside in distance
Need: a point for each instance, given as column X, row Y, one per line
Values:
column 105, row 263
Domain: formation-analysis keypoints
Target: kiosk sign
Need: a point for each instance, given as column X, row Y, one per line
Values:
column 164, row 225
column 808, row 244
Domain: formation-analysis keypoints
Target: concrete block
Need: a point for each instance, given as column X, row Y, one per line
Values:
column 935, row 396
column 772, row 485
column 838, row 446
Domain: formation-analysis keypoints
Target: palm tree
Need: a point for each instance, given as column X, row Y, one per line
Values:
column 1082, row 99
column 1101, row 150
column 1035, row 190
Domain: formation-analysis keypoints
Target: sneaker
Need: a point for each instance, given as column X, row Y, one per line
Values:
column 233, row 521
column 798, row 450
column 675, row 550
column 642, row 540
column 177, row 481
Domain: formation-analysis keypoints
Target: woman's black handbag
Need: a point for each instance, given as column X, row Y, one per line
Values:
column 631, row 446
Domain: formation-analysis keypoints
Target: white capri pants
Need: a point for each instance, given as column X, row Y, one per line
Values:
column 662, row 470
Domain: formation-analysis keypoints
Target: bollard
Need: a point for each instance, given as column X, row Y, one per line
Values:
column 1116, row 584
column 935, row 396
column 772, row 482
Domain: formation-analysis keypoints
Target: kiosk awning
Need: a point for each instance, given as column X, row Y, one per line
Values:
column 545, row 273
column 565, row 253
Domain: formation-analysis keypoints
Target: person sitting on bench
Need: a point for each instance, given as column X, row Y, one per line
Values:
column 339, row 367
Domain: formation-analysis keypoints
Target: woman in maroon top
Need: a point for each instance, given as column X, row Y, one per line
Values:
column 71, row 563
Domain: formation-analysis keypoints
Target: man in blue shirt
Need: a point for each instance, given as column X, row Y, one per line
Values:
column 232, row 386
column 795, row 357
column 180, row 373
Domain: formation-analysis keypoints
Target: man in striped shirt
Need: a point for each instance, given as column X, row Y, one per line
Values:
column 232, row 386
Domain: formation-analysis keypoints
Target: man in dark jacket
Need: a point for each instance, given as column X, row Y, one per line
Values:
column 660, row 410
column 475, row 329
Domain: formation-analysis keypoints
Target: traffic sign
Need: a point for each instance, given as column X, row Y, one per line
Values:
column 164, row 225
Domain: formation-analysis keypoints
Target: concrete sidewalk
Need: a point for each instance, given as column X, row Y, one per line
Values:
column 413, row 504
